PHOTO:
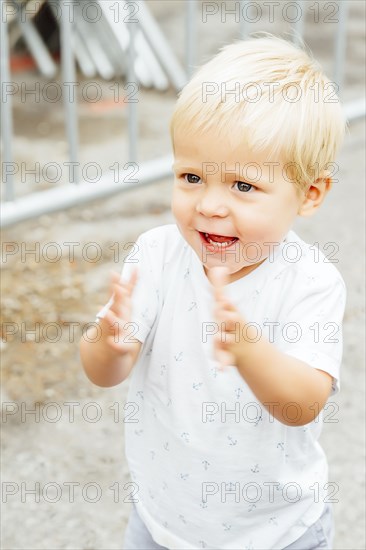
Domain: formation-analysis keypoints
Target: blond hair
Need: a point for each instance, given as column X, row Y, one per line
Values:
column 273, row 96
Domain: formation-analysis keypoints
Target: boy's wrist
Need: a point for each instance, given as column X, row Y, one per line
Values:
column 250, row 348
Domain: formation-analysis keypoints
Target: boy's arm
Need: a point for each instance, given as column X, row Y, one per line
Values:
column 103, row 366
column 110, row 353
column 292, row 391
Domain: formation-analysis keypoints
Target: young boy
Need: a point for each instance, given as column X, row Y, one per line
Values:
column 231, row 368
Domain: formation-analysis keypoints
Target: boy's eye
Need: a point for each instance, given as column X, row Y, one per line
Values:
column 244, row 187
column 191, row 178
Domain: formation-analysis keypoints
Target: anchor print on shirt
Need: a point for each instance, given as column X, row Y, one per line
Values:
column 183, row 476
column 214, row 371
column 162, row 369
column 255, row 294
column 238, row 391
column 230, row 486
column 153, row 243
column 226, row 526
column 255, row 469
column 281, row 445
column 185, row 436
column 192, row 306
column 182, row 518
column 202, row 543
column 178, row 357
column 169, row 402
column 197, row 385
column 152, row 455
column 320, row 313
column 206, row 464
column 258, row 419
column 249, row 546
column 203, row 504
column 232, row 441
column 139, row 432
column 252, row 507
column 269, row 329
column 273, row 520
column 310, row 279
column 140, row 393
column 166, row 446
column 145, row 313
column 151, row 494
column 186, row 273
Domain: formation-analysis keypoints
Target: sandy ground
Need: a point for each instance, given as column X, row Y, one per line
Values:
column 64, row 471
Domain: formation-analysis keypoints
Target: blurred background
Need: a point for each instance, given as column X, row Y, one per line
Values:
column 88, row 89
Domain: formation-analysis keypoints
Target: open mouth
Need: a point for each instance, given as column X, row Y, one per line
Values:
column 221, row 241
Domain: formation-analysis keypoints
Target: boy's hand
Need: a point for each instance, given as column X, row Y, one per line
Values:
column 228, row 341
column 116, row 331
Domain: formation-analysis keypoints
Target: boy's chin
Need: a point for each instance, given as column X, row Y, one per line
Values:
column 234, row 272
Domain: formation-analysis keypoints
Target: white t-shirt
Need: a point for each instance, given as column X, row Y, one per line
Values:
column 212, row 467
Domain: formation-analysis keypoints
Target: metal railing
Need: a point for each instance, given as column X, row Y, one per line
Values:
column 145, row 36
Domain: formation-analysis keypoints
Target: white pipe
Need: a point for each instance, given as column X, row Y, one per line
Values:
column 68, row 195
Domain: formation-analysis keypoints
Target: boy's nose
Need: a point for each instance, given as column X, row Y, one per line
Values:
column 212, row 203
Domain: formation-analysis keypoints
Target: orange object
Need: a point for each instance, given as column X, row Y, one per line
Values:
column 25, row 62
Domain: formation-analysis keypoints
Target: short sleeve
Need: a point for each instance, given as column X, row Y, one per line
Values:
column 145, row 297
column 312, row 328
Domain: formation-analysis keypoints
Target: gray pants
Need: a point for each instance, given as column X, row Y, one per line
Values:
column 319, row 536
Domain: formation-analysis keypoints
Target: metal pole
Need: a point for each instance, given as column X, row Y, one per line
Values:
column 160, row 46
column 70, row 195
column 299, row 24
column 341, row 44
column 69, row 76
column 132, row 104
column 246, row 18
column 6, row 114
column 191, row 36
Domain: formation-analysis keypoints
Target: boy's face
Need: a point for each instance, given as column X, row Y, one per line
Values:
column 230, row 191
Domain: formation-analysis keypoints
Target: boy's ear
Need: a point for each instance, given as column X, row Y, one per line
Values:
column 315, row 195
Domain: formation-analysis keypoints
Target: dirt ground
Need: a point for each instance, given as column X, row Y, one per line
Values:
column 64, row 473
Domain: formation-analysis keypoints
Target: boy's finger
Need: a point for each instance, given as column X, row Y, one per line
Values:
column 119, row 288
column 219, row 276
column 121, row 301
column 116, row 279
column 109, row 320
column 225, row 359
column 223, row 304
column 133, row 279
column 229, row 321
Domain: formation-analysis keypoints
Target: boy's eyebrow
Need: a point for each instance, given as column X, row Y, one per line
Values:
column 180, row 166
